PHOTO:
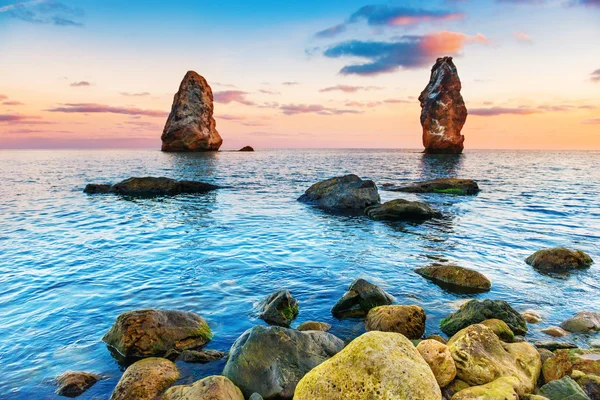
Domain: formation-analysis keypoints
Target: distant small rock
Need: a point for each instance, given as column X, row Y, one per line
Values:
column 555, row 331
column 247, row 148
column 401, row 210
column 443, row 185
column 359, row 299
column 559, row 259
column 455, row 278
column 342, row 192
column 314, row 326
column 532, row 316
column 582, row 322
column 73, row 384
column 279, row 309
column 151, row 186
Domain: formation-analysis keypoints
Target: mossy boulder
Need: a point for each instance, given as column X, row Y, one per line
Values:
column 401, row 210
column 280, row 308
column 75, row 383
column 504, row 388
column 476, row 311
column 481, row 358
column 148, row 333
column 376, row 365
column 559, row 259
column 210, row 388
column 271, row 360
column 501, row 329
column 583, row 322
column 407, row 320
column 565, row 362
column 455, row 278
column 454, row 186
column 314, row 326
column 146, row 379
column 342, row 192
column 563, row 389
column 439, row 359
column 359, row 299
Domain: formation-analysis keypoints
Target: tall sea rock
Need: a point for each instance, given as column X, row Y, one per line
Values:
column 443, row 111
column 191, row 126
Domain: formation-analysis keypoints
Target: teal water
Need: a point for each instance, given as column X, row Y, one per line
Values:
column 70, row 263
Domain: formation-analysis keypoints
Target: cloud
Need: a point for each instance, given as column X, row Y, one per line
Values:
column 523, row 37
column 3, row 97
column 141, row 94
column 16, row 117
column 376, row 103
column 99, row 108
column 293, row 109
column 13, row 103
column 229, row 117
column 290, row 83
column 229, row 96
column 591, row 121
column 45, row 12
column 272, row 92
column 80, row 84
column 383, row 15
column 331, row 32
column 595, row 76
column 494, row 111
column 25, row 131
column 349, row 89
column 224, row 85
column 409, row 51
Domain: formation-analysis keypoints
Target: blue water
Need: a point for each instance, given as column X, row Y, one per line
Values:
column 70, row 263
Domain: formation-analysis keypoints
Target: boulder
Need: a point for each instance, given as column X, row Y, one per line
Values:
column 271, row 360
column 314, row 326
column 151, row 186
column 501, row 330
column 73, row 384
column 197, row 356
column 247, row 148
column 439, row 359
column 555, row 331
column 342, row 192
column 280, row 308
column 590, row 385
column 565, row 361
column 532, row 316
column 401, row 210
column 559, row 260
column 359, row 299
column 147, row 333
column 504, row 388
column 443, row 111
column 407, row 320
column 582, row 322
column 438, row 338
column 146, row 379
column 210, row 388
column 376, row 365
column 442, row 185
column 481, row 358
column 563, row 389
column 475, row 311
column 455, row 278
column 191, row 126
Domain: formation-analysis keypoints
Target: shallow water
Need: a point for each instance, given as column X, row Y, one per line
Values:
column 70, row 263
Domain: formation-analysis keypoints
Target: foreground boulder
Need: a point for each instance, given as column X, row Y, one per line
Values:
column 401, row 210
column 271, row 360
column 475, row 311
column 209, row 388
column 504, row 388
column 342, row 192
column 147, row 333
column 146, row 379
column 439, row 359
column 563, row 389
column 501, row 329
column 582, row 322
column 559, row 260
column 359, row 299
column 566, row 361
column 150, row 186
column 314, row 326
column 443, row 111
column 376, row 365
column 280, row 308
column 73, row 384
column 247, row 148
column 455, row 278
column 407, row 320
column 191, row 126
column 442, row 185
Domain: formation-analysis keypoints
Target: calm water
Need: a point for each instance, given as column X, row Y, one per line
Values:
column 70, row 263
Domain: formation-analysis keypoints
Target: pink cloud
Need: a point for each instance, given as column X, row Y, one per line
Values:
column 13, row 103
column 523, row 37
column 100, row 108
column 80, row 84
column 349, row 89
column 293, row 109
column 232, row 96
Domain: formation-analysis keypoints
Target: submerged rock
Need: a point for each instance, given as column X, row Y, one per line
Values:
column 247, row 148
column 401, row 210
column 147, row 333
column 582, row 322
column 376, row 365
column 342, row 192
column 210, row 388
column 559, row 260
column 443, row 185
column 151, row 186
column 443, row 110
column 314, row 326
column 271, row 360
column 455, row 278
column 73, row 384
column 280, row 309
column 439, row 359
column 407, row 320
column 359, row 299
column 146, row 379
column 563, row 389
column 191, row 126
column 565, row 362
column 475, row 311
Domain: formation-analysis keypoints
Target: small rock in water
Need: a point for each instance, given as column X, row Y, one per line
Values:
column 359, row 299
column 439, row 358
column 559, row 260
column 563, row 389
column 199, row 356
column 443, row 186
column 407, row 320
column 555, row 331
column 583, row 322
column 475, row 311
column 401, row 210
column 532, row 316
column 280, row 308
column 342, row 192
column 96, row 188
column 552, row 345
column 151, row 186
column 73, row 384
column 455, row 278
column 247, row 148
column 314, row 326
column 146, row 379
column 209, row 388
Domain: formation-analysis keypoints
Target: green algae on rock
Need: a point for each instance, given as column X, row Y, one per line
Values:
column 559, row 259
column 501, row 329
column 280, row 308
column 407, row 320
column 563, row 389
column 214, row 387
column 455, row 278
column 401, row 210
column 342, row 192
column 146, row 379
column 359, row 299
column 475, row 311
column 454, row 186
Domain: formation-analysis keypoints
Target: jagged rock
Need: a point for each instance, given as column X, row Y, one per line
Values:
column 359, row 299
column 151, row 186
column 555, row 331
column 401, row 210
column 443, row 110
column 210, row 388
column 582, row 322
column 146, row 379
column 342, row 192
column 407, row 320
column 504, row 388
column 191, row 126
column 563, row 389
column 73, row 384
column 565, row 362
column 280, row 308
column 247, row 148
column 455, row 278
column 501, row 329
column 314, row 326
column 559, row 260
column 147, row 333
column 439, row 359
column 442, row 185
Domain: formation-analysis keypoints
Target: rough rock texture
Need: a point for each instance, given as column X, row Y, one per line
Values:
column 532, row 316
column 481, row 358
column 454, row 387
column 147, row 333
column 210, row 388
column 443, row 111
column 271, row 360
column 563, row 389
column 146, row 379
column 555, row 331
column 439, row 359
column 342, row 192
column 590, row 385
column 197, row 356
column 559, row 260
column 359, row 299
column 475, row 311
column 501, row 329
column 552, row 345
column 401, row 210
column 73, row 384
column 504, row 388
column 255, row 396
column 151, row 186
column 582, row 322
column 407, row 320
column 565, row 362
column 191, row 126
column 314, row 326
column 376, row 365
column 280, row 308
column 247, row 148
column 455, row 278
column 442, row 185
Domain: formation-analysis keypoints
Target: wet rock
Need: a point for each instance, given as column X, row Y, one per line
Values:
column 455, row 278
column 150, row 186
column 191, row 126
column 407, row 320
column 563, row 389
column 359, row 299
column 375, row 365
column 504, row 388
column 443, row 111
column 565, row 362
column 95, row 188
column 590, row 385
column 438, row 338
column 552, row 345
column 475, row 311
column 442, row 185
column 439, row 359
column 271, row 360
column 555, row 331
column 247, row 148
column 255, row 396
column 501, row 329
column 73, row 384
column 209, row 388
column 532, row 316
column 147, row 333
column 454, row 387
column 198, row 356
column 401, row 210
column 559, row 260
column 583, row 322
column 146, row 379
column 280, row 308
column 314, row 326
column 342, row 192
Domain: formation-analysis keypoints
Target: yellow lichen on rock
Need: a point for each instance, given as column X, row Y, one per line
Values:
column 439, row 358
column 500, row 389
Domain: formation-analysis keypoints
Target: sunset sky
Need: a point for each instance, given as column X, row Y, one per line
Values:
column 347, row 73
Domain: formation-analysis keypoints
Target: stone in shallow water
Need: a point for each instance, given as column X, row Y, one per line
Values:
column 407, row 320
column 280, row 308
column 151, row 186
column 73, row 384
column 443, row 185
column 555, row 331
column 559, row 260
column 359, row 299
column 146, row 379
column 401, row 210
column 209, row 388
column 342, row 192
column 199, row 356
column 582, row 322
column 455, row 278
column 552, row 345
column 475, row 311
column 532, row 316
column 247, row 148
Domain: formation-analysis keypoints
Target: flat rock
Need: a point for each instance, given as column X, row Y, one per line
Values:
column 407, row 320
column 199, row 356
column 342, row 192
column 582, row 322
column 74, row 383
column 563, row 389
column 559, row 260
column 455, row 278
column 146, row 379
column 279, row 308
column 401, row 210
column 359, row 299
column 151, row 186
column 442, row 185
column 314, row 326
column 210, row 388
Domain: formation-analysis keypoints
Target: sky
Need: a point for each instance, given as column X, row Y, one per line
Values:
column 310, row 74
